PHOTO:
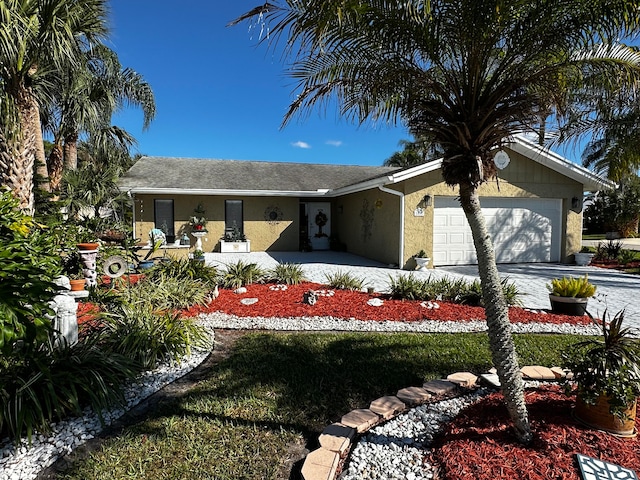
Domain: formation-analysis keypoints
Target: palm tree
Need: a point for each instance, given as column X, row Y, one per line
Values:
column 419, row 151
column 467, row 73
column 85, row 98
column 37, row 37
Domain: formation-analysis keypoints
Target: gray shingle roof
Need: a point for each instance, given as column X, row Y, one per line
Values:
column 203, row 174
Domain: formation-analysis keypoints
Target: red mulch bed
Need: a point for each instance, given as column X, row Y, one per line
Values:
column 348, row 304
column 479, row 443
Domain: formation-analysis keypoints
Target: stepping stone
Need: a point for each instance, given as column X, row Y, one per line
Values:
column 413, row 395
column 490, row 380
column 337, row 438
column 537, row 372
column 321, row 464
column 464, row 379
column 362, row 419
column 387, row 406
column 439, row 387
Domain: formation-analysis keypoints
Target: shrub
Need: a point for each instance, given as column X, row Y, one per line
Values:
column 28, row 266
column 42, row 384
column 288, row 273
column 455, row 291
column 626, row 256
column 148, row 337
column 168, row 293
column 344, row 281
column 240, row 274
column 186, row 269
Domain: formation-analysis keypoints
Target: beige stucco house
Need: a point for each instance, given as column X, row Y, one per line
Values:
column 534, row 211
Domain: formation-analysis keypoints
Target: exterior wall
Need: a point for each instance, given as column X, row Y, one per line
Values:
column 281, row 234
column 523, row 178
column 368, row 223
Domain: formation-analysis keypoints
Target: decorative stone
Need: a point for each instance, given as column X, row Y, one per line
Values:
column 464, row 379
column 375, row 302
column 249, row 301
column 337, row 438
column 361, row 419
column 559, row 372
column 490, row 380
column 310, row 297
column 240, row 290
column 413, row 395
column 387, row 406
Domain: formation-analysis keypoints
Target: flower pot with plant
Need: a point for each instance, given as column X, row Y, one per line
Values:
column 234, row 240
column 77, row 281
column 198, row 221
column 569, row 296
column 606, row 377
column 422, row 261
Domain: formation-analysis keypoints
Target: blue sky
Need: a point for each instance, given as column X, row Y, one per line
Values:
column 221, row 95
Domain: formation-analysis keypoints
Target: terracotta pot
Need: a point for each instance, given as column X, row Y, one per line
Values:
column 88, row 246
column 573, row 306
column 77, row 284
column 598, row 416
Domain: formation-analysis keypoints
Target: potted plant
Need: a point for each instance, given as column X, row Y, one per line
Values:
column 584, row 256
column 198, row 220
column 77, row 281
column 569, row 296
column 606, row 375
column 234, row 240
column 422, row 261
column 198, row 255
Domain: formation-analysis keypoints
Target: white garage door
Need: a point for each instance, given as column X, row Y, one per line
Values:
column 522, row 229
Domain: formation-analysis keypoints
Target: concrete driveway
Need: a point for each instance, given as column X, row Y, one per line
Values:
column 615, row 290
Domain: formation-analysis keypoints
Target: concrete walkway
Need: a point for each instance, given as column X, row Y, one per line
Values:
column 616, row 290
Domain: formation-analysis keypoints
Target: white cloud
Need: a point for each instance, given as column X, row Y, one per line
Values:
column 300, row 144
column 334, row 143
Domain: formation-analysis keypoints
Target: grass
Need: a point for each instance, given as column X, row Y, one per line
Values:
column 276, row 391
column 594, row 236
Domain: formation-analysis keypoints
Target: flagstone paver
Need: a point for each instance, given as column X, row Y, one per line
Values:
column 413, row 395
column 337, row 438
column 361, row 419
column 537, row 372
column 387, row 407
column 464, row 379
column 321, row 464
column 439, row 387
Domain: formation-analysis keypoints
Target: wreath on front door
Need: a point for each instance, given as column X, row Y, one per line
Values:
column 321, row 219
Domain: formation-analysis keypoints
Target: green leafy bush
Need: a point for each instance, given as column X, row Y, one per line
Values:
column 288, row 273
column 39, row 385
column 185, row 269
column 240, row 274
column 149, row 337
column 579, row 287
column 28, row 266
column 627, row 256
column 167, row 293
column 408, row 287
column 344, row 281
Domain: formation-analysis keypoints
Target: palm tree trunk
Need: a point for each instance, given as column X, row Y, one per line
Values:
column 18, row 153
column 499, row 329
column 71, row 151
column 56, row 165
column 42, row 171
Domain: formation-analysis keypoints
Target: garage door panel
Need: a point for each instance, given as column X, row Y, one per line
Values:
column 523, row 230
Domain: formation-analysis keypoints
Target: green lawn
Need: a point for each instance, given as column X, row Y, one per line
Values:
column 594, row 236
column 276, row 392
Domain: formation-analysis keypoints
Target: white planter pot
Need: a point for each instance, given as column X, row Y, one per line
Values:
column 422, row 263
column 235, row 247
column 583, row 259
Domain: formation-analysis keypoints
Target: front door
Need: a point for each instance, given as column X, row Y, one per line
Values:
column 319, row 222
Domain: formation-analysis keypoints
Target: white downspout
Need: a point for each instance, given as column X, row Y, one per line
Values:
column 401, row 195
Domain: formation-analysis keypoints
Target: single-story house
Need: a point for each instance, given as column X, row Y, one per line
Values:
column 534, row 211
